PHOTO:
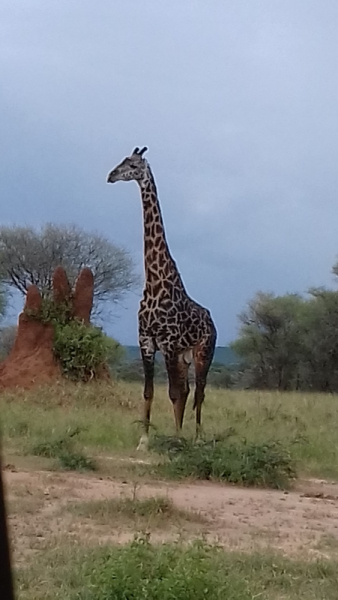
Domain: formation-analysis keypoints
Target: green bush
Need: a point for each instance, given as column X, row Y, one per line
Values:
column 251, row 464
column 75, row 460
column 80, row 349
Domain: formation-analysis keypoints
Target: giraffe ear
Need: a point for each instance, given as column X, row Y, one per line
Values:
column 144, row 149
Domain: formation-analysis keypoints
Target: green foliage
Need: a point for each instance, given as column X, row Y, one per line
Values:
column 319, row 365
column 115, row 353
column 75, row 460
column 289, row 342
column 271, row 340
column 222, row 376
column 64, row 450
column 57, row 314
column 253, row 464
column 142, row 571
column 81, row 349
column 131, row 371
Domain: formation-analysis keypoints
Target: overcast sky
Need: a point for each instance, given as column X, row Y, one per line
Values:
column 237, row 101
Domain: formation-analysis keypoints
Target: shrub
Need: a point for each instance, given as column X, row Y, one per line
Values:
column 80, row 349
column 251, row 464
column 63, row 449
column 75, row 460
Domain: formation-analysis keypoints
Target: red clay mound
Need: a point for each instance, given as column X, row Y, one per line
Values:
column 31, row 360
column 83, row 295
column 61, row 287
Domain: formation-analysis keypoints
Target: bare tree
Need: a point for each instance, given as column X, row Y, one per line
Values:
column 30, row 256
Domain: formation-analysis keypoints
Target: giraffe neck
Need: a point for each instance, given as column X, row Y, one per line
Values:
column 158, row 262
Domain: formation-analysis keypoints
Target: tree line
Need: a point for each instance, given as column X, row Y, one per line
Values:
column 290, row 342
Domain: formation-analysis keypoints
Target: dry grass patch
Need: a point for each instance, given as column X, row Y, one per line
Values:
column 23, row 502
column 142, row 513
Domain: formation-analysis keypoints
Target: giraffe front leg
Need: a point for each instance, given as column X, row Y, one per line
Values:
column 148, row 359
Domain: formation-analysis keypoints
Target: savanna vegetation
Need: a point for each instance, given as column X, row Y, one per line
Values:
column 282, row 429
column 172, row 571
column 290, row 342
column 101, row 418
column 252, row 438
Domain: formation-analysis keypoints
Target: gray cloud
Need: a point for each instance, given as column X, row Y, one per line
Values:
column 237, row 102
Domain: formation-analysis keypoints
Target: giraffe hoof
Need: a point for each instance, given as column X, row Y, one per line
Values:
column 143, row 443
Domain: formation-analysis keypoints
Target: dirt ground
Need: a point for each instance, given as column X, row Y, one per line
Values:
column 302, row 522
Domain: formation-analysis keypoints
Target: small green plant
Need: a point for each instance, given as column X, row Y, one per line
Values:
column 252, row 464
column 51, row 448
column 75, row 460
column 64, row 450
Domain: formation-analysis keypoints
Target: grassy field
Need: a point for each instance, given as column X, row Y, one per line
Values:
column 173, row 572
column 107, row 417
column 73, row 541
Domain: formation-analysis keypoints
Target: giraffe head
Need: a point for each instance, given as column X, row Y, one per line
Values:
column 132, row 167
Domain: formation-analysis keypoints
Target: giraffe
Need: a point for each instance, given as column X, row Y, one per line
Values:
column 168, row 319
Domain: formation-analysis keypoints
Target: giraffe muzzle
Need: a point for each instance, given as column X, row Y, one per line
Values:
column 111, row 178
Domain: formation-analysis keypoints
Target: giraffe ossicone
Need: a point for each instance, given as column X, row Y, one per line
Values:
column 169, row 320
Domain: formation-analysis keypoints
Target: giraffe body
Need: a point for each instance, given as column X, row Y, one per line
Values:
column 169, row 320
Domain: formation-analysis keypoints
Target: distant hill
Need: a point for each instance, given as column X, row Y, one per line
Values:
column 223, row 355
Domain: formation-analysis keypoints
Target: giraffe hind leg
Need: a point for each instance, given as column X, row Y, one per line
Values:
column 179, row 389
column 203, row 355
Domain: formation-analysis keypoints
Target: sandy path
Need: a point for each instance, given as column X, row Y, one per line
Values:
column 304, row 521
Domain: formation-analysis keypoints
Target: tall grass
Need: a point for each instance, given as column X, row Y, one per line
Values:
column 108, row 416
column 173, row 572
